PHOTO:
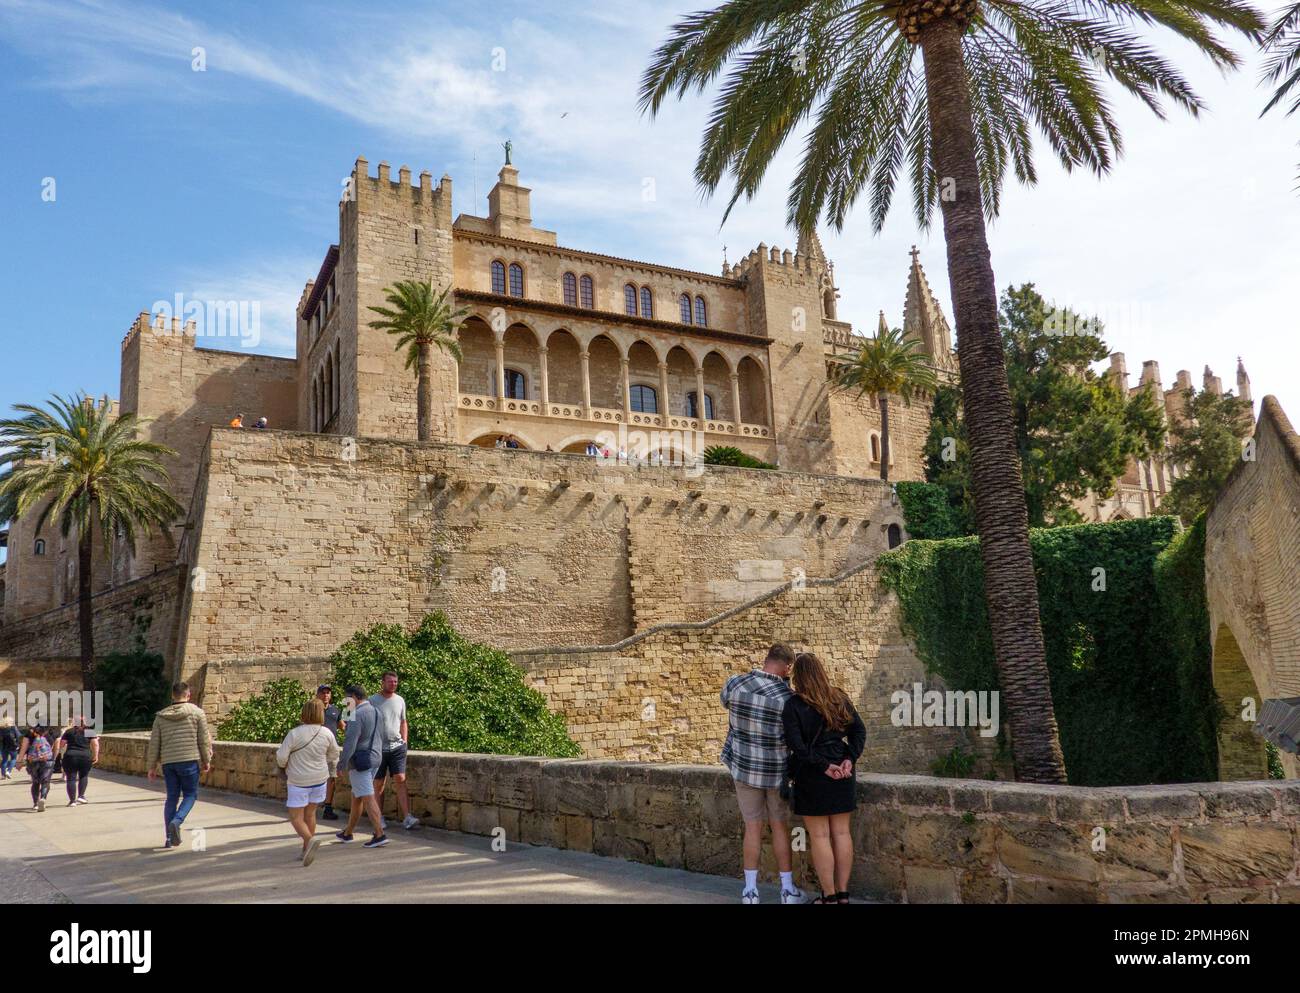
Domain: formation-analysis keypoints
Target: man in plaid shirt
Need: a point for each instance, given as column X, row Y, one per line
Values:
column 755, row 754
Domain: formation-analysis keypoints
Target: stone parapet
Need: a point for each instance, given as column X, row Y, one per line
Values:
column 917, row 839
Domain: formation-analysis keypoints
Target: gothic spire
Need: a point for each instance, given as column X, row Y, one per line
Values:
column 923, row 318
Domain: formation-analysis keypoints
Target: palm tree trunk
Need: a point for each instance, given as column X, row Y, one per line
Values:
column 85, row 610
column 884, row 437
column 424, row 391
column 1001, row 520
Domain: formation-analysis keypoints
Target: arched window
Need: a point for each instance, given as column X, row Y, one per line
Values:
column 647, row 303
column 498, row 277
column 693, row 405
column 338, row 391
column 895, row 536
column 570, row 290
column 516, row 385
column 516, row 279
column 315, row 405
column 644, row 399
column 701, row 313
column 875, row 448
column 684, row 301
column 629, row 299
column 588, row 292
column 39, row 547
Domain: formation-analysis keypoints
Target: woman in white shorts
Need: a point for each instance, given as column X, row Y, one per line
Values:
column 308, row 756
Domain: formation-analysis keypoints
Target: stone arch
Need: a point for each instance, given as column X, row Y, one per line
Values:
column 605, row 371
column 643, row 370
column 681, row 379
column 717, row 383
column 489, row 439
column 753, row 390
column 1241, row 751
column 520, row 352
column 564, row 367
column 478, row 357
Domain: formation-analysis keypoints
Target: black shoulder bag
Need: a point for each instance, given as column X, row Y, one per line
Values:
column 786, row 789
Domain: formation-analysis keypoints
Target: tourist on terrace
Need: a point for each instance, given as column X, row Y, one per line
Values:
column 79, row 750
column 755, row 754
column 262, row 424
column 362, row 752
column 181, row 746
column 36, row 752
column 238, row 421
column 308, row 756
column 826, row 736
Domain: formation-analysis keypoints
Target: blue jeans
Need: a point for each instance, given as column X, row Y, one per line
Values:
column 182, row 779
column 8, row 756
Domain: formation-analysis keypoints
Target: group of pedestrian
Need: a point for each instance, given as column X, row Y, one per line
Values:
column 506, row 441
column 375, row 736
column 238, row 422
column 46, row 751
column 793, row 739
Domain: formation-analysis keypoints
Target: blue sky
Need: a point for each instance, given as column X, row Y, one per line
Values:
column 224, row 183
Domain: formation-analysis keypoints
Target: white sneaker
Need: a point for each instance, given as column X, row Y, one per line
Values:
column 410, row 821
column 40, row 804
column 794, row 895
column 749, row 896
column 82, row 799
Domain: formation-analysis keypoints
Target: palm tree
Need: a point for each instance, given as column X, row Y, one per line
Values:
column 956, row 88
column 885, row 365
column 84, row 467
column 1282, row 43
column 421, row 320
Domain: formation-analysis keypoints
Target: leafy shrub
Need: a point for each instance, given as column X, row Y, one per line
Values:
column 269, row 715
column 134, row 688
column 927, row 512
column 461, row 696
column 733, row 456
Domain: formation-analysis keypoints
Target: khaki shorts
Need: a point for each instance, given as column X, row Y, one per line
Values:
column 761, row 805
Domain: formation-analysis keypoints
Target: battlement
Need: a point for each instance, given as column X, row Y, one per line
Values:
column 160, row 327
column 762, row 255
column 383, row 183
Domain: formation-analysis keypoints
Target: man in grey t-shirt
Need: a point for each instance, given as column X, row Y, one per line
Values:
column 393, row 730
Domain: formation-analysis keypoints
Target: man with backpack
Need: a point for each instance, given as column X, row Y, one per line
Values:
column 362, row 751
column 38, row 754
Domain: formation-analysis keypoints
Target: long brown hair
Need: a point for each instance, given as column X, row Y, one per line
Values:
column 809, row 679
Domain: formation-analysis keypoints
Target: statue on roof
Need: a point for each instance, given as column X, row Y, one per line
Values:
column 507, row 146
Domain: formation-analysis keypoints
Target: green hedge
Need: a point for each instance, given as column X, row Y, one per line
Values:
column 733, row 456
column 927, row 512
column 1130, row 688
column 461, row 696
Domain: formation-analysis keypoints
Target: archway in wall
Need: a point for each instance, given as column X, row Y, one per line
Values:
column 717, row 383
column 564, row 368
column 489, row 440
column 606, row 373
column 478, row 358
column 1241, row 751
column 753, row 392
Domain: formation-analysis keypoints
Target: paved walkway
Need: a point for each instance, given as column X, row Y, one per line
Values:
column 109, row 850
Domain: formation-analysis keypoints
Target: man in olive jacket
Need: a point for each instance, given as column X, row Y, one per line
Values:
column 180, row 744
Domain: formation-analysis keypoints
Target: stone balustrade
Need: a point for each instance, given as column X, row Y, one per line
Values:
column 576, row 411
column 918, row 839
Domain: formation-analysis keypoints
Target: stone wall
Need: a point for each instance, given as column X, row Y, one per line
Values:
column 654, row 697
column 147, row 606
column 1252, row 580
column 43, row 675
column 221, row 685
column 304, row 539
column 917, row 839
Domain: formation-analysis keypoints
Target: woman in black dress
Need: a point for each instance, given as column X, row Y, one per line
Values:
column 825, row 736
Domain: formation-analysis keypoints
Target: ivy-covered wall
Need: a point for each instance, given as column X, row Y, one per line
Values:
column 1127, row 638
